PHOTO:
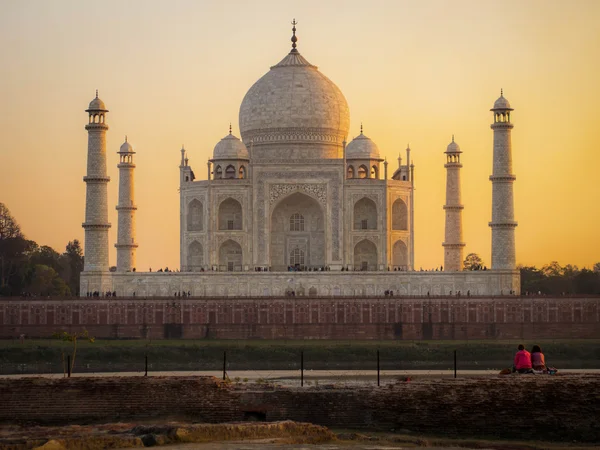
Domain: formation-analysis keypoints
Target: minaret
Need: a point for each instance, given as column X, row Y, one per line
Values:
column 453, row 244
column 126, row 208
column 96, row 207
column 503, row 215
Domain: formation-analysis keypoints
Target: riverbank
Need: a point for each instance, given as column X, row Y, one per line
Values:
column 565, row 408
column 45, row 356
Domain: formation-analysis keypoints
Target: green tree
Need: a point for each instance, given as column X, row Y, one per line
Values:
column 597, row 267
column 14, row 252
column 72, row 338
column 46, row 256
column 72, row 265
column 473, row 262
column 44, row 280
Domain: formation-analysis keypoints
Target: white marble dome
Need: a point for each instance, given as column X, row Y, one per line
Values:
column 294, row 102
column 501, row 103
column 361, row 147
column 97, row 105
column 230, row 147
column 453, row 147
column 126, row 147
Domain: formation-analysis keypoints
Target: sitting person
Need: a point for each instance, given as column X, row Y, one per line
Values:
column 522, row 363
column 538, row 362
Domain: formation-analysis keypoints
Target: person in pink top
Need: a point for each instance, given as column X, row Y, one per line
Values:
column 522, row 363
column 537, row 358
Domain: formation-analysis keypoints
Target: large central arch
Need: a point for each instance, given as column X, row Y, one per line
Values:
column 297, row 233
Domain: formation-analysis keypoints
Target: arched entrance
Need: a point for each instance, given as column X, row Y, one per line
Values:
column 230, row 256
column 297, row 234
column 365, row 256
column 400, row 256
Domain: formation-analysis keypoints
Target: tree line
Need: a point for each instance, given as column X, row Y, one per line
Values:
column 551, row 279
column 27, row 268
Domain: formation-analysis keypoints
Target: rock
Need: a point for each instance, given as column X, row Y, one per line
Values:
column 52, row 444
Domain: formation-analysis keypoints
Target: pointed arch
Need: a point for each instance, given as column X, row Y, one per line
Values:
column 365, row 214
column 230, row 256
column 242, row 172
column 195, row 257
column 365, row 255
column 363, row 172
column 350, row 172
column 400, row 255
column 218, row 173
column 399, row 215
column 230, row 215
column 375, row 172
column 195, row 216
column 230, row 172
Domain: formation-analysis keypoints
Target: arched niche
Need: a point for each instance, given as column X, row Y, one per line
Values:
column 375, row 172
column 230, row 172
column 365, row 255
column 363, row 172
column 400, row 255
column 195, row 216
column 297, row 221
column 350, row 172
column 230, row 256
column 218, row 173
column 242, row 172
column 399, row 215
column 195, row 257
column 230, row 215
column 365, row 214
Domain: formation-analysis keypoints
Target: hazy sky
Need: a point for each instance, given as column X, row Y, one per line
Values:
column 175, row 72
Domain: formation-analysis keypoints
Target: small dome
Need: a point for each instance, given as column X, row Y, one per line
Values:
column 501, row 103
column 230, row 147
column 97, row 105
column 126, row 147
column 453, row 147
column 362, row 147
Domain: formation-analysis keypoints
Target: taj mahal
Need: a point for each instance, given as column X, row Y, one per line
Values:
column 292, row 207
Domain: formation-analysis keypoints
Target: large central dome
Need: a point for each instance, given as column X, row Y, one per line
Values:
column 294, row 103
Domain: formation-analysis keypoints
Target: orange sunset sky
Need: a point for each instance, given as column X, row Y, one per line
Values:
column 175, row 72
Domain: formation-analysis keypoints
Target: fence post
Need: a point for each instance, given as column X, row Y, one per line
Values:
column 69, row 366
column 378, row 367
column 454, row 363
column 301, row 367
column 146, row 373
column 224, row 364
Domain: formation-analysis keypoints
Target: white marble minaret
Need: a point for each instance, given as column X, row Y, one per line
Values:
column 453, row 244
column 503, row 215
column 126, row 208
column 96, row 207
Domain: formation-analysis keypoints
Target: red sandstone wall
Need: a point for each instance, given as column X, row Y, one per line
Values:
column 301, row 318
column 522, row 407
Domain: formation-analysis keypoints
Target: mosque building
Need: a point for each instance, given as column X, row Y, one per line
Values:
column 292, row 207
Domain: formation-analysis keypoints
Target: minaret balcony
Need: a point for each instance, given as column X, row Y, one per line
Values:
column 454, row 207
column 506, row 178
column 95, row 226
column 96, row 179
column 126, row 208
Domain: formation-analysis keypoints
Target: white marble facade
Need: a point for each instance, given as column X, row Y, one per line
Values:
column 295, row 199
column 291, row 195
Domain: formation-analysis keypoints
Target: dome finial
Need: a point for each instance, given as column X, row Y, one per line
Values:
column 294, row 38
column 501, row 92
column 229, row 127
column 96, row 93
column 452, row 137
column 125, row 138
column 361, row 128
